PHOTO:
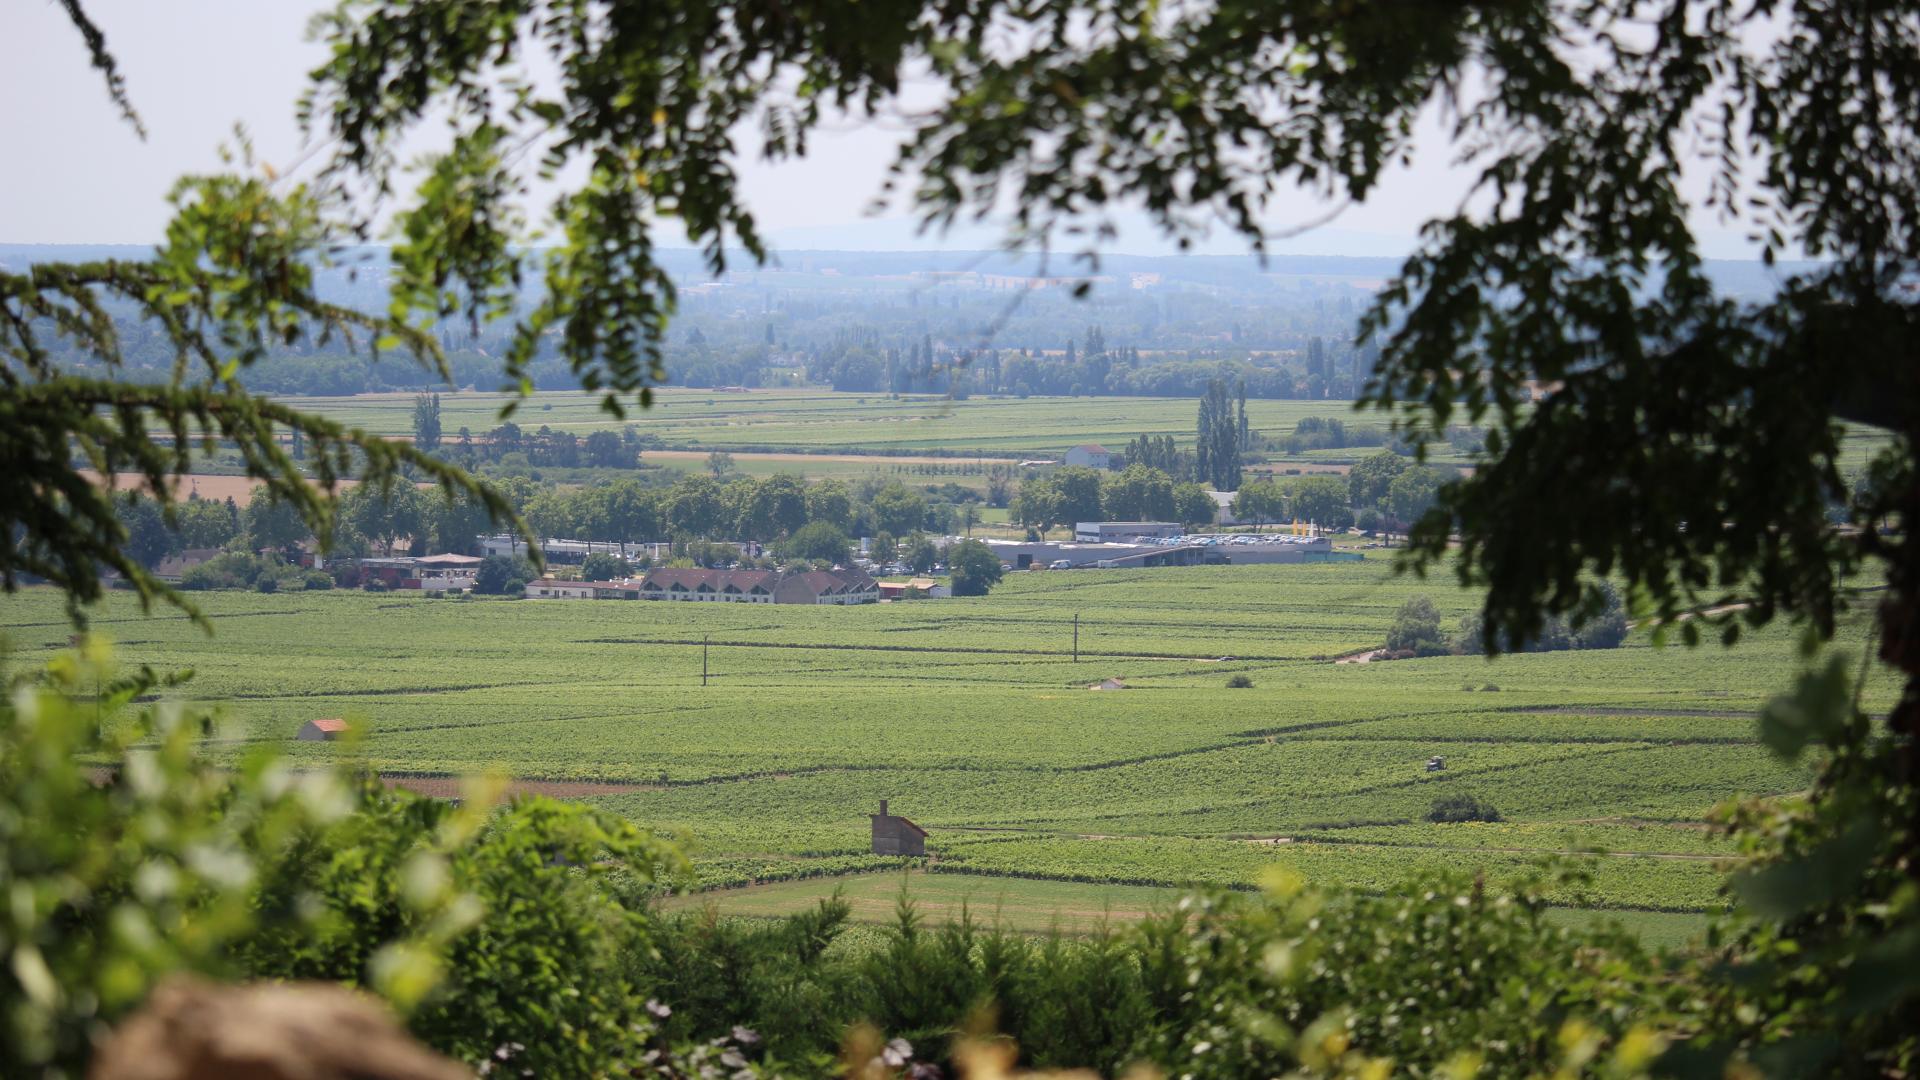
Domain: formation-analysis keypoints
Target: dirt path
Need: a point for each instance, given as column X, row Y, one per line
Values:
column 1364, row 656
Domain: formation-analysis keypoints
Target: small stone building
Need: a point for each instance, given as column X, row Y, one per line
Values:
column 896, row 835
column 321, row 730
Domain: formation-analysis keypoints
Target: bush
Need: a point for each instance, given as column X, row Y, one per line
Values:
column 1461, row 807
column 1240, row 682
column 1416, row 629
column 819, row 540
column 266, row 584
column 1605, row 628
column 975, row 568
column 490, row 929
column 500, row 575
column 228, row 570
column 375, row 585
column 316, row 580
column 601, row 566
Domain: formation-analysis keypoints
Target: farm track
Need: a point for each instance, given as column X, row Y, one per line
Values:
column 1628, row 710
column 957, row 650
column 403, row 691
column 1395, row 785
column 1309, row 838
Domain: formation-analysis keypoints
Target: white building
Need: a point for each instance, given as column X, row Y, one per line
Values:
column 1091, row 455
column 1223, row 507
column 1106, row 532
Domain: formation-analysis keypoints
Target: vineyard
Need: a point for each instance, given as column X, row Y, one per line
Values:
column 974, row 718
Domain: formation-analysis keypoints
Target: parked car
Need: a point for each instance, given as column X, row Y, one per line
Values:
column 1060, row 564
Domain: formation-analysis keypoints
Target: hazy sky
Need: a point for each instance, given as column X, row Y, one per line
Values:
column 71, row 171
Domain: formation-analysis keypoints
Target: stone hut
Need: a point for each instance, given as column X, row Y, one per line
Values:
column 321, row 730
column 896, row 835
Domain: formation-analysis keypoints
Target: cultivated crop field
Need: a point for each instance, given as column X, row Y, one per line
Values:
column 823, row 422
column 974, row 718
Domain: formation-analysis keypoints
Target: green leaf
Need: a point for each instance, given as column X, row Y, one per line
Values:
column 1816, row 710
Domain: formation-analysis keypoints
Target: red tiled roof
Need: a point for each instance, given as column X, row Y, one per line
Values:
column 329, row 725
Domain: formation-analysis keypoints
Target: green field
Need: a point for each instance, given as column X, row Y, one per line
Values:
column 973, row 717
column 1034, row 906
column 822, row 421
column 825, row 422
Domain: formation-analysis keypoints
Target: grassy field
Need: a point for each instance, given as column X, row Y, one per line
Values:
column 1033, row 906
column 824, row 422
column 974, row 718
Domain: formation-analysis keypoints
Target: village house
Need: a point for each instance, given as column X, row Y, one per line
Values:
column 173, row 567
column 896, row 835
column 1091, row 455
column 720, row 586
column 556, row 589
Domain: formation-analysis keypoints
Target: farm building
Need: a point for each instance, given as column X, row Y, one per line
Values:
column 720, row 586
column 896, row 835
column 1109, row 684
column 321, row 730
column 921, row 587
column 575, row 552
column 1091, row 455
column 173, row 567
column 1223, row 507
column 761, row 586
column 556, row 589
column 447, row 573
column 1022, row 555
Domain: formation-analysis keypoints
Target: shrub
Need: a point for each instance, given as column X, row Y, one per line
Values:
column 375, row 585
column 602, row 566
column 316, row 580
column 1416, row 629
column 1605, row 628
column 975, row 568
column 228, row 570
column 1240, row 682
column 266, row 583
column 819, row 540
column 500, row 575
column 1461, row 807
column 491, row 929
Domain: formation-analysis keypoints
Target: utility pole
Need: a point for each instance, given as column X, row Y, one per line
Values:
column 705, row 642
column 1076, row 637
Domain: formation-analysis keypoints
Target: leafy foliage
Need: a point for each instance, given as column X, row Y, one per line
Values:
column 975, row 568
column 1462, row 806
column 1416, row 629
column 501, row 575
column 167, row 863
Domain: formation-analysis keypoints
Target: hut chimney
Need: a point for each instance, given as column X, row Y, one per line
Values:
column 883, row 808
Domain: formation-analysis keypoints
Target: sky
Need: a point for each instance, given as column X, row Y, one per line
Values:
column 71, row 171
